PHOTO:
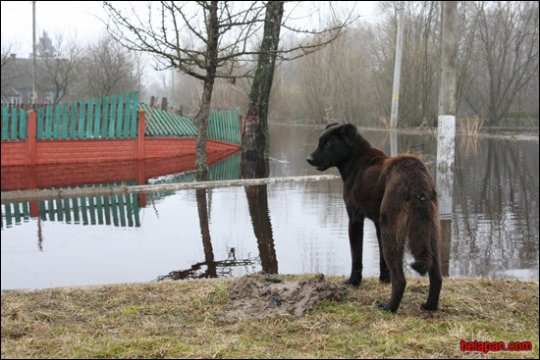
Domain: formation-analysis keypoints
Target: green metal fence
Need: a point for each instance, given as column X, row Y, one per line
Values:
column 14, row 124
column 163, row 123
column 102, row 118
column 225, row 126
column 113, row 117
column 222, row 125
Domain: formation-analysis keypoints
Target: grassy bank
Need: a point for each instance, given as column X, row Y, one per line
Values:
column 183, row 319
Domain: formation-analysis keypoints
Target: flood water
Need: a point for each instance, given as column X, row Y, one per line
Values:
column 490, row 221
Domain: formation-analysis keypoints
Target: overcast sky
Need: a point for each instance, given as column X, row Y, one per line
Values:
column 75, row 20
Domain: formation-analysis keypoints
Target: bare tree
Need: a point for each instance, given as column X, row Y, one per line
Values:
column 9, row 73
column 507, row 57
column 217, row 38
column 497, row 67
column 109, row 69
column 58, row 67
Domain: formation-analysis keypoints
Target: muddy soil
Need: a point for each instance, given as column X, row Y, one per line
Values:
column 259, row 297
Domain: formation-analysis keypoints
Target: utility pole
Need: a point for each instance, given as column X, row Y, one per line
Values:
column 34, row 91
column 447, row 89
column 397, row 66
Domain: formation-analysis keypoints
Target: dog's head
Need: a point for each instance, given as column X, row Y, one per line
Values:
column 335, row 145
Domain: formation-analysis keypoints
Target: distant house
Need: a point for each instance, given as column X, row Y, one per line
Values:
column 17, row 81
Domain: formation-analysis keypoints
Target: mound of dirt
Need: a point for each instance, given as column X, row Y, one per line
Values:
column 259, row 297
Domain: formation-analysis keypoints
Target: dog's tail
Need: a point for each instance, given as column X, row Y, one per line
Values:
column 424, row 230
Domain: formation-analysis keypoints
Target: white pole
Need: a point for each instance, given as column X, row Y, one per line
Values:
column 34, row 75
column 397, row 68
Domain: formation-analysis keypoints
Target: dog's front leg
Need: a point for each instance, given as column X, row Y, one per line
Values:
column 384, row 275
column 356, row 240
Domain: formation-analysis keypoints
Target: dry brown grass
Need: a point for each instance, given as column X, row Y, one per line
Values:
column 471, row 126
column 385, row 122
column 181, row 319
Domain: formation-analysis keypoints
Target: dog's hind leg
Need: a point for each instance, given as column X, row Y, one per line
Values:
column 435, row 277
column 393, row 231
column 435, row 285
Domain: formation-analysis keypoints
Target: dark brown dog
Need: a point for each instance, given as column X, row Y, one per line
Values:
column 398, row 195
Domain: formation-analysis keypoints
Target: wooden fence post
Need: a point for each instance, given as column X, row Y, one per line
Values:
column 31, row 151
column 140, row 135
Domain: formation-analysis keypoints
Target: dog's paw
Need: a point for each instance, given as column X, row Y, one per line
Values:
column 386, row 307
column 429, row 307
column 353, row 281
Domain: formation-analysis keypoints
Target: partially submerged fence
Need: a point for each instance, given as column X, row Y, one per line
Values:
column 90, row 130
column 113, row 117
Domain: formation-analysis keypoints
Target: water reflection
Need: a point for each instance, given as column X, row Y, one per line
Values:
column 496, row 230
column 116, row 210
column 103, row 173
column 257, row 198
column 445, row 194
column 223, row 268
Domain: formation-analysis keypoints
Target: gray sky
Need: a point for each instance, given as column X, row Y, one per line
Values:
column 75, row 20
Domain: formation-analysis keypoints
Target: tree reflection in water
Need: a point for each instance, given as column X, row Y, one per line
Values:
column 257, row 197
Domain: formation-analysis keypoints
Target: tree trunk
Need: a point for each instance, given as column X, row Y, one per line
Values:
column 255, row 132
column 201, row 119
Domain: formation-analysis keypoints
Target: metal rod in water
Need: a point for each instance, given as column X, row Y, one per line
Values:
column 26, row 195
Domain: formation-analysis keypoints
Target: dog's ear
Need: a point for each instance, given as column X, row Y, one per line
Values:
column 331, row 125
column 349, row 132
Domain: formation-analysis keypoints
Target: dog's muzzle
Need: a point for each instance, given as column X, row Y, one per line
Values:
column 312, row 162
